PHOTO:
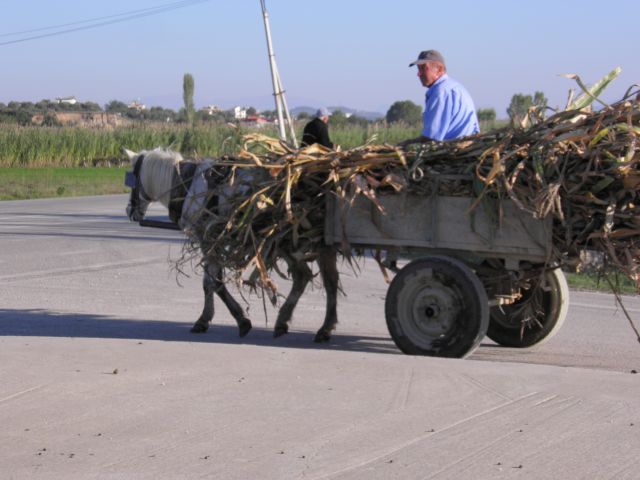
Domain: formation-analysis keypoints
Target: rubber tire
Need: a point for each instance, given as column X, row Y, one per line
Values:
column 455, row 290
column 505, row 322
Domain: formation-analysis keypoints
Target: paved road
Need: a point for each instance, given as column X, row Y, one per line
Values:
column 100, row 378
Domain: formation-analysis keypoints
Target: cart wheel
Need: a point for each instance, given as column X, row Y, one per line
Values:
column 437, row 306
column 536, row 317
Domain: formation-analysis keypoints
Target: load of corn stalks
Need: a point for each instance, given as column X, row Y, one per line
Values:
column 578, row 166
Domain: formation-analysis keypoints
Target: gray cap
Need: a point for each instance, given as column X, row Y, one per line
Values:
column 322, row 112
column 428, row 56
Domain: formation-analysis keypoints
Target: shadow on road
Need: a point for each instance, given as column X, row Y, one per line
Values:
column 44, row 323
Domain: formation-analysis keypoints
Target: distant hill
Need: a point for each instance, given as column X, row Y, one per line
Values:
column 360, row 113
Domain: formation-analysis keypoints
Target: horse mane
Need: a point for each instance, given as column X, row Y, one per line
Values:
column 157, row 173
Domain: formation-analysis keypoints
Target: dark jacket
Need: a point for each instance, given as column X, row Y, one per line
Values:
column 316, row 131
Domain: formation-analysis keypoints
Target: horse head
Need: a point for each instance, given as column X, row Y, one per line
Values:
column 138, row 199
column 150, row 179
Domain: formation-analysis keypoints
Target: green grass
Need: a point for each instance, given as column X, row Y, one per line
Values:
column 25, row 183
column 592, row 281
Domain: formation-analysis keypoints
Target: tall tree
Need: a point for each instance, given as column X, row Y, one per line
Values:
column 525, row 109
column 519, row 108
column 187, row 95
column 404, row 111
column 486, row 115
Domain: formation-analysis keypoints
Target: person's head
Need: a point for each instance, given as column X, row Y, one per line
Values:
column 323, row 114
column 431, row 67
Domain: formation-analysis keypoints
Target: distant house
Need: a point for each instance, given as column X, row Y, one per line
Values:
column 211, row 109
column 67, row 100
column 239, row 113
column 255, row 121
column 137, row 106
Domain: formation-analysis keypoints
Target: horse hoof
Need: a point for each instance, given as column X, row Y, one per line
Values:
column 200, row 327
column 280, row 331
column 322, row 336
column 244, row 327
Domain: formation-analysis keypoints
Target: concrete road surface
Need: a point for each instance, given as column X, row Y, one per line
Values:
column 100, row 377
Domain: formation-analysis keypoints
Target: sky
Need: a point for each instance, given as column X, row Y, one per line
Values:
column 351, row 53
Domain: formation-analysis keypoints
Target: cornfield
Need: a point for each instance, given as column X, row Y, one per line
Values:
column 73, row 147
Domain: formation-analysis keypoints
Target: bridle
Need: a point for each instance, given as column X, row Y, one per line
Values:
column 132, row 180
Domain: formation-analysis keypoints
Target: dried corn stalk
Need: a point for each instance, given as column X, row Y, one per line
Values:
column 580, row 168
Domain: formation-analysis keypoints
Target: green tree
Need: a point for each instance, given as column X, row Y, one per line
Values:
column 519, row 108
column 159, row 114
column 540, row 105
column 525, row 109
column 23, row 117
column 44, row 105
column 486, row 115
column 188, row 88
column 116, row 106
column 337, row 119
column 404, row 111
column 540, row 101
column 89, row 107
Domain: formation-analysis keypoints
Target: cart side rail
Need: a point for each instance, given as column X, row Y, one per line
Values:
column 439, row 223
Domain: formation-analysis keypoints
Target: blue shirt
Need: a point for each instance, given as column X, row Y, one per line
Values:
column 449, row 111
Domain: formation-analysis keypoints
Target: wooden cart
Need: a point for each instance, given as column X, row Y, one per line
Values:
column 471, row 274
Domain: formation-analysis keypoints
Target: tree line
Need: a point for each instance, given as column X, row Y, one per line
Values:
column 521, row 107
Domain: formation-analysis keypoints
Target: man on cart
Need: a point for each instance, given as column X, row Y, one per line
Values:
column 449, row 112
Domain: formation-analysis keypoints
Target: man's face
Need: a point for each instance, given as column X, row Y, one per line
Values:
column 429, row 72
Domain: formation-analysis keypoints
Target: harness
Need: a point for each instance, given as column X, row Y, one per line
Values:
column 133, row 180
column 181, row 183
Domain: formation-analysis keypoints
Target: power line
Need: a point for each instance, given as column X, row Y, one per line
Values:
column 96, row 19
column 100, row 21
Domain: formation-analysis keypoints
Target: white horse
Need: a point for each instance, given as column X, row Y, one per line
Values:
column 164, row 176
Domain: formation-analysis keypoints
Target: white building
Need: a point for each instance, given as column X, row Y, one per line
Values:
column 136, row 105
column 211, row 109
column 68, row 100
column 239, row 113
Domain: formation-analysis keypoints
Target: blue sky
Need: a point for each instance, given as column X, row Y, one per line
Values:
column 353, row 53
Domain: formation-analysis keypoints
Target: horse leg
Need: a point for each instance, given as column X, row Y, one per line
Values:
column 244, row 324
column 208, row 285
column 328, row 264
column 212, row 282
column 301, row 275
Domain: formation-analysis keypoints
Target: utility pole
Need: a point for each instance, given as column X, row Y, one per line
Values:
column 282, row 110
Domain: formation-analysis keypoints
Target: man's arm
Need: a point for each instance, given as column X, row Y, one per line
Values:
column 323, row 136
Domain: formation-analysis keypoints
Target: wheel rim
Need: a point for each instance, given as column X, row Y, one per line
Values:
column 428, row 307
column 537, row 306
column 536, row 317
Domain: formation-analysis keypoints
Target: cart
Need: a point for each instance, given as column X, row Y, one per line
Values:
column 473, row 272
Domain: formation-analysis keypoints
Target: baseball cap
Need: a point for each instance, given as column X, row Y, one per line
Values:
column 322, row 112
column 428, row 55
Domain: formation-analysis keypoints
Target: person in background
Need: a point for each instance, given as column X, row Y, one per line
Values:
column 317, row 131
column 449, row 112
